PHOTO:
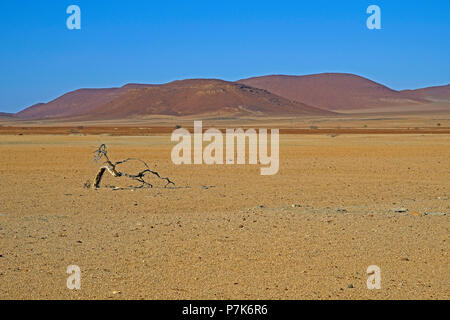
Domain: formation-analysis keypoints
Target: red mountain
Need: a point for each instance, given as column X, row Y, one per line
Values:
column 333, row 91
column 439, row 93
column 178, row 98
column 75, row 103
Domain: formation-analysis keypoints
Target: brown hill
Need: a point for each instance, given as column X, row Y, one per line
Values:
column 178, row 98
column 75, row 103
column 6, row 115
column 333, row 91
column 439, row 93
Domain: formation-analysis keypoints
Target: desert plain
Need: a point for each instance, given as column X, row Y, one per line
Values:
column 344, row 198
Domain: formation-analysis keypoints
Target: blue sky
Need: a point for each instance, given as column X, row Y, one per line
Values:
column 150, row 41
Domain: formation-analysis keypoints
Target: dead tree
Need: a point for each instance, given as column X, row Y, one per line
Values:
column 111, row 167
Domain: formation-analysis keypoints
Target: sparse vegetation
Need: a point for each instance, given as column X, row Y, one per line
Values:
column 102, row 152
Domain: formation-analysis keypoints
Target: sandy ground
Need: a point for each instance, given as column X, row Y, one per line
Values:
column 423, row 122
column 226, row 231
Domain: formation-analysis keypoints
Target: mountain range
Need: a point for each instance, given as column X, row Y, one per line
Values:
column 274, row 95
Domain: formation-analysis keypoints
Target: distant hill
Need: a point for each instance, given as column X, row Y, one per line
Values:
column 275, row 95
column 440, row 93
column 75, row 103
column 334, row 91
column 178, row 98
column 6, row 115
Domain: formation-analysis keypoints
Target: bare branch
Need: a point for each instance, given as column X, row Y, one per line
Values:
column 102, row 152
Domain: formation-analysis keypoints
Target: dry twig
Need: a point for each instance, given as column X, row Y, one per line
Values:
column 111, row 167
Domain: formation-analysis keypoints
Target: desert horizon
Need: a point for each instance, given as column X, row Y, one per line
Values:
column 273, row 95
column 397, row 156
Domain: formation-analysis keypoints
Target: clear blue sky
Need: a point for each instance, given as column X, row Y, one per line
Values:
column 150, row 41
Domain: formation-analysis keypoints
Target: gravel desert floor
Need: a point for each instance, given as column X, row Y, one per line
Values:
column 337, row 205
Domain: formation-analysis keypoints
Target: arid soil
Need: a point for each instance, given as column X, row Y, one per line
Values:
column 415, row 122
column 226, row 232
